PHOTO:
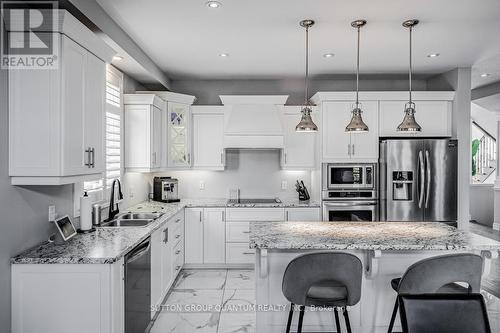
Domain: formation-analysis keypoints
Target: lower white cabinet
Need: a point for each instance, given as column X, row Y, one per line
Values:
column 239, row 253
column 61, row 298
column 193, row 226
column 303, row 214
column 214, row 226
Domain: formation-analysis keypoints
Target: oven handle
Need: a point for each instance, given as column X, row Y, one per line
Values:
column 350, row 203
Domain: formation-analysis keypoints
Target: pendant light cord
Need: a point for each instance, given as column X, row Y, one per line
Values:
column 357, row 71
column 306, row 101
column 411, row 66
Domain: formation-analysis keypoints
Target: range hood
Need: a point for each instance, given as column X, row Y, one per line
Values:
column 254, row 122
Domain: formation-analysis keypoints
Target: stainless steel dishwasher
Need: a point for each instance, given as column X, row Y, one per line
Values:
column 138, row 288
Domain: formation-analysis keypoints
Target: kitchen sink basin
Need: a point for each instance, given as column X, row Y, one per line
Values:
column 128, row 223
column 138, row 216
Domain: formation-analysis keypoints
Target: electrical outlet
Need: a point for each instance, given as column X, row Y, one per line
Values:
column 52, row 213
column 202, row 184
column 131, row 192
column 284, row 184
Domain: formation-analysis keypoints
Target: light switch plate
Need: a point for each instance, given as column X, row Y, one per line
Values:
column 202, row 184
column 284, row 184
column 52, row 213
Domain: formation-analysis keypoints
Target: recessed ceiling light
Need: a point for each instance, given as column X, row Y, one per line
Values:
column 224, row 55
column 485, row 74
column 328, row 55
column 433, row 55
column 213, row 4
column 117, row 58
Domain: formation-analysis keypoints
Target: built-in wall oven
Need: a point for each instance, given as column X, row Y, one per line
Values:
column 349, row 192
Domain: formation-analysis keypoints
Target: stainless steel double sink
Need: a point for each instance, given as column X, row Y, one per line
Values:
column 132, row 220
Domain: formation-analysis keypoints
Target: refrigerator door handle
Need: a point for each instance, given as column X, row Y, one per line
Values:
column 421, row 178
column 428, row 177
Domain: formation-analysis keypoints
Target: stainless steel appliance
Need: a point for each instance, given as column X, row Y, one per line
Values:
column 138, row 288
column 418, row 180
column 165, row 189
column 348, row 176
column 349, row 192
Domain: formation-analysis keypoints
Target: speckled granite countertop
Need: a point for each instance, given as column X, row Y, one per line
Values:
column 386, row 236
column 108, row 245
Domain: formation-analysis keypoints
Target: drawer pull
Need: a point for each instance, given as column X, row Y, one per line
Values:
column 248, row 253
column 177, row 267
column 178, row 251
column 177, row 221
column 245, row 232
column 177, row 236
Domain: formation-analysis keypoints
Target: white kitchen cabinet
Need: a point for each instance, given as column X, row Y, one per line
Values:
column 341, row 146
column 214, row 230
column 208, row 137
column 143, row 132
column 56, row 136
column 303, row 214
column 193, row 236
column 299, row 151
column 433, row 116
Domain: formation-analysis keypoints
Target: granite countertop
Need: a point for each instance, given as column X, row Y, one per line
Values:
column 108, row 245
column 385, row 236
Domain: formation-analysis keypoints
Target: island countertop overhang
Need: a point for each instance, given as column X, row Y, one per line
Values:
column 381, row 236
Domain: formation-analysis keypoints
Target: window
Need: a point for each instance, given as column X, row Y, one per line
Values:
column 99, row 189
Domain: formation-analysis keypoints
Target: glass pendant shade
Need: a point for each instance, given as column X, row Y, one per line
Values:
column 409, row 124
column 306, row 123
column 357, row 125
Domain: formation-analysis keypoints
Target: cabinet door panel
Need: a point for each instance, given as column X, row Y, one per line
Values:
column 95, row 86
column 214, row 236
column 300, row 148
column 336, row 141
column 179, row 152
column 73, row 103
column 365, row 145
column 156, row 137
column 433, row 116
column 166, row 258
column 193, row 236
column 156, row 267
column 208, row 136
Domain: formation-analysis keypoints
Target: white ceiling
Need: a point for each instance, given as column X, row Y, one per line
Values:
column 264, row 40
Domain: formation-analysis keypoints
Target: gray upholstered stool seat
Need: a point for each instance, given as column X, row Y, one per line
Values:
column 328, row 279
column 450, row 288
column 437, row 275
column 327, row 293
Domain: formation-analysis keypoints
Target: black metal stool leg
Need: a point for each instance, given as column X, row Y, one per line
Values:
column 347, row 322
column 337, row 321
column 393, row 317
column 301, row 318
column 290, row 315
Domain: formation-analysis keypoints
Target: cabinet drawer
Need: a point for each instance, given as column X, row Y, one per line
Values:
column 237, row 232
column 239, row 253
column 255, row 214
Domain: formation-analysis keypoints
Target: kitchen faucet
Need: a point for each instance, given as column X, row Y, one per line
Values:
column 112, row 212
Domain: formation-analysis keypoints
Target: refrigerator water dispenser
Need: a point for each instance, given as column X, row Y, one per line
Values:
column 402, row 185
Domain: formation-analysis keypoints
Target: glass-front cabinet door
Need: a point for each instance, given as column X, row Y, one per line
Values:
column 179, row 141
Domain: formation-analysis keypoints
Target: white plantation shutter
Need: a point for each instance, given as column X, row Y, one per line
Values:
column 99, row 189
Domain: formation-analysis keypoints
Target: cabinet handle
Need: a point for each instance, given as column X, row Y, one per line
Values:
column 177, row 221
column 221, row 158
column 286, row 158
column 353, row 149
column 177, row 236
column 92, row 152
column 177, row 267
column 349, row 149
column 223, row 215
column 178, row 251
column 200, row 215
column 165, row 239
column 189, row 158
column 286, row 216
column 89, row 157
column 246, row 232
column 248, row 253
column 154, row 158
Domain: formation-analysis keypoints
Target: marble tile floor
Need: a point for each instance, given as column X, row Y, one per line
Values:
column 209, row 301
column 219, row 301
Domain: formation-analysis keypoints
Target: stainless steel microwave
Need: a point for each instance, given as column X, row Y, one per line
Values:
column 349, row 176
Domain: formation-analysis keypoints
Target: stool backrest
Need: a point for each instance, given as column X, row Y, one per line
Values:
column 428, row 275
column 309, row 269
column 443, row 313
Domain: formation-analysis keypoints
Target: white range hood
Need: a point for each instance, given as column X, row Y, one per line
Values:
column 253, row 121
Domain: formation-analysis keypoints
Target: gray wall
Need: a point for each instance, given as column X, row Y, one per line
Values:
column 23, row 211
column 207, row 91
column 482, row 204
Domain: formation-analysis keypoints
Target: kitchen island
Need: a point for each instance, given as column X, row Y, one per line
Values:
column 386, row 250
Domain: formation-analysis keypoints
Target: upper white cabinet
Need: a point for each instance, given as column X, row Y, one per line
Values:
column 299, row 151
column 208, row 137
column 143, row 132
column 339, row 145
column 56, row 116
column 433, row 116
column 177, row 131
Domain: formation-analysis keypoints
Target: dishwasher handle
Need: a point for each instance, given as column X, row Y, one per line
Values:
column 138, row 251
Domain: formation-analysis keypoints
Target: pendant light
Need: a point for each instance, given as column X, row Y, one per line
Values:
column 409, row 124
column 306, row 123
column 357, row 125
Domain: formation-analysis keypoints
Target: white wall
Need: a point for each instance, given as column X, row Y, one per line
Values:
column 482, row 204
column 485, row 118
column 256, row 173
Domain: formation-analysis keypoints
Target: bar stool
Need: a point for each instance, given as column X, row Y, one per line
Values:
column 322, row 279
column 439, row 275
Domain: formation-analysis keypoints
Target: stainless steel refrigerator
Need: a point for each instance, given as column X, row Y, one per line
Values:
column 418, row 180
